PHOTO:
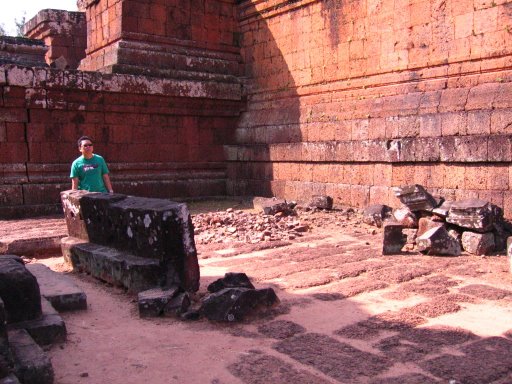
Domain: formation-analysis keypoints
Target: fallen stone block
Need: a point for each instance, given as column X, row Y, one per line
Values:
column 437, row 241
column 231, row 280
column 31, row 364
column 376, row 214
column 478, row 243
column 119, row 268
column 405, row 217
column 321, row 202
column 270, row 206
column 234, row 304
column 415, row 197
column 426, row 223
column 157, row 229
column 47, row 329
column 443, row 209
column 394, row 239
column 66, row 244
column 474, row 214
column 500, row 237
column 73, row 213
column 153, row 302
column 59, row 290
column 18, row 290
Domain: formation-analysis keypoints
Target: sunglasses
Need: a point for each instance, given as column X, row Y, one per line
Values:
column 87, row 145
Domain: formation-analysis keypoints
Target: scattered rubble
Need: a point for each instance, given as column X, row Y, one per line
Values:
column 441, row 227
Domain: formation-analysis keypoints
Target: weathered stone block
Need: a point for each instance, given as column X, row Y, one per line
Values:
column 321, row 201
column 437, row 241
column 46, row 330
column 231, row 280
column 157, row 229
column 443, row 209
column 156, row 302
column 234, row 304
column 18, row 290
column 394, row 239
column 415, row 197
column 120, row 268
column 376, row 214
column 405, row 217
column 473, row 214
column 478, row 243
column 66, row 244
column 59, row 290
column 426, row 223
column 5, row 352
column 32, row 365
column 73, row 214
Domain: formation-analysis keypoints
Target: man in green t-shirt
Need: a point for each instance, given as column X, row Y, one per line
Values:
column 89, row 172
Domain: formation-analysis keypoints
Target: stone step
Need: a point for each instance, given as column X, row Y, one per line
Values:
column 116, row 267
column 46, row 330
column 31, row 364
column 58, row 289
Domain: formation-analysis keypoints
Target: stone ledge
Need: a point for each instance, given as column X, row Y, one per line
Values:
column 136, row 84
column 448, row 149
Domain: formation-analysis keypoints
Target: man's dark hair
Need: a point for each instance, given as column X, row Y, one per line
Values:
column 79, row 142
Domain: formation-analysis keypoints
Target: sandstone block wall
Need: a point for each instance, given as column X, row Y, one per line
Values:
column 352, row 98
column 65, row 34
column 161, row 137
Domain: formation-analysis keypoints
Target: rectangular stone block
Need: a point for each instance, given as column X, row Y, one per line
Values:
column 394, row 239
column 120, row 268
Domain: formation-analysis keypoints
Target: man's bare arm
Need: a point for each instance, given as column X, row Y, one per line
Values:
column 108, row 184
column 74, row 183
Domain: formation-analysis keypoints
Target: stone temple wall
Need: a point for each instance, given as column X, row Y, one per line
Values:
column 161, row 137
column 344, row 98
column 351, row 98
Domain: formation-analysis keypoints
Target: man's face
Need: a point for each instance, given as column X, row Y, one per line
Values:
column 86, row 148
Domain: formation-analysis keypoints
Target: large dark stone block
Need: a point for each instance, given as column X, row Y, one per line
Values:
column 157, row 229
column 5, row 353
column 474, row 214
column 120, row 268
column 234, row 304
column 415, row 197
column 18, row 290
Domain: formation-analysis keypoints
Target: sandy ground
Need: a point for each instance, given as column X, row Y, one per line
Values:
column 347, row 315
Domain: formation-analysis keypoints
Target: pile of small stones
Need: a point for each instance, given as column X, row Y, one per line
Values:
column 255, row 227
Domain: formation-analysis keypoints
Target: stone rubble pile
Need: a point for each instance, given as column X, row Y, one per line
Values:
column 434, row 226
column 274, row 219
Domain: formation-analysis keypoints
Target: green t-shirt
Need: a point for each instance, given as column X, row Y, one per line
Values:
column 90, row 173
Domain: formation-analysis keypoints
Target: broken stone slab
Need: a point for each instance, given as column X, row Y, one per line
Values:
column 46, row 330
column 376, row 214
column 66, row 244
column 162, row 302
column 500, row 237
column 58, row 289
column 271, row 205
column 19, row 290
column 119, row 268
column 405, row 217
column 426, row 223
column 443, row 209
column 231, row 280
column 415, row 197
column 73, row 213
column 234, row 304
column 394, row 238
column 437, row 241
column 475, row 214
column 31, row 364
column 478, row 243
column 321, row 202
column 157, row 229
